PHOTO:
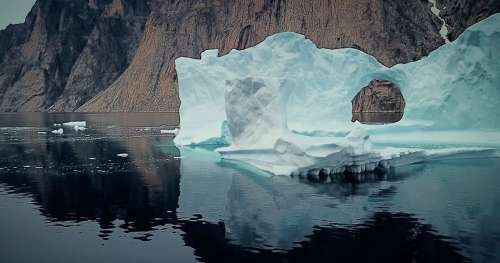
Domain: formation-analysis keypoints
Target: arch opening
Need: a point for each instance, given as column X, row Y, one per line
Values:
column 380, row 102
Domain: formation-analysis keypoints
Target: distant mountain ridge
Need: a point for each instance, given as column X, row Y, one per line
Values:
column 118, row 55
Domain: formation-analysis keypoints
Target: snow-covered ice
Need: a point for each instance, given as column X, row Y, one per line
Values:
column 173, row 131
column 285, row 105
column 59, row 131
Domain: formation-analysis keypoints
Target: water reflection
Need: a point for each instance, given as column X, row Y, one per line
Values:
column 257, row 218
column 377, row 117
column 227, row 212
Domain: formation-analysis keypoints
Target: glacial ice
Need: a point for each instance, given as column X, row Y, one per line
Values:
column 76, row 125
column 172, row 132
column 59, row 131
column 284, row 105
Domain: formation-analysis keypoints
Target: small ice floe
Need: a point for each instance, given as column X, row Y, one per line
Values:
column 27, row 166
column 91, row 158
column 76, row 125
column 38, row 167
column 173, row 132
column 177, row 157
column 123, row 155
column 58, row 131
column 57, row 125
column 42, row 132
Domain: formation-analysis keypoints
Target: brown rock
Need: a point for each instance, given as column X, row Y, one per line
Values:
column 67, row 51
column 393, row 31
column 118, row 55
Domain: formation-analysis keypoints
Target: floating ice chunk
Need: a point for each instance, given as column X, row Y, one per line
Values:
column 57, row 125
column 59, row 131
column 76, row 125
column 173, row 131
column 123, row 155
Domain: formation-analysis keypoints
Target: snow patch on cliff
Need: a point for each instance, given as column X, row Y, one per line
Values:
column 444, row 28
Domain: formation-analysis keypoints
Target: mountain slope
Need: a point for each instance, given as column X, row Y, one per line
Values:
column 118, row 55
column 67, row 51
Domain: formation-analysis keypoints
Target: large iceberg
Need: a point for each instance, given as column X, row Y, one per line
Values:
column 285, row 106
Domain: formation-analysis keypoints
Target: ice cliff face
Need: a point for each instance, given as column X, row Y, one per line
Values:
column 455, row 87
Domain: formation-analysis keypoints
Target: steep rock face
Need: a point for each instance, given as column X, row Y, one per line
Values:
column 121, row 54
column 109, row 50
column 460, row 14
column 66, row 52
column 34, row 70
column 393, row 31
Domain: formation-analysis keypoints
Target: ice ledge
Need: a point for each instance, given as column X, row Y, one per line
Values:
column 304, row 156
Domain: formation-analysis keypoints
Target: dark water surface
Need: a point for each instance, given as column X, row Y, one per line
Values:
column 72, row 198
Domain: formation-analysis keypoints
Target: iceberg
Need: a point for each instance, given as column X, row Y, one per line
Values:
column 284, row 106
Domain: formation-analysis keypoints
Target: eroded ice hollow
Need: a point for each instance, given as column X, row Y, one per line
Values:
column 284, row 106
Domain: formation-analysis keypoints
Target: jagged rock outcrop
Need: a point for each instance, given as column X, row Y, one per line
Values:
column 118, row 55
column 460, row 14
column 380, row 101
column 67, row 51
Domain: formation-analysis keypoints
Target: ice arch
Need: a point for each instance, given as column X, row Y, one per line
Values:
column 395, row 76
column 455, row 87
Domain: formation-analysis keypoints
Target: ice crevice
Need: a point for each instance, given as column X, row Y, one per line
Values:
column 283, row 106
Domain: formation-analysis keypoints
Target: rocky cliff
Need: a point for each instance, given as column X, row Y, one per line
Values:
column 460, row 14
column 67, row 51
column 118, row 55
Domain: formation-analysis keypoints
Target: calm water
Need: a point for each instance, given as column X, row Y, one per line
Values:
column 71, row 198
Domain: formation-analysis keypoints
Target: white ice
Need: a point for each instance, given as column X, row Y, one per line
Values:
column 76, row 125
column 59, row 131
column 173, row 131
column 123, row 155
column 284, row 105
